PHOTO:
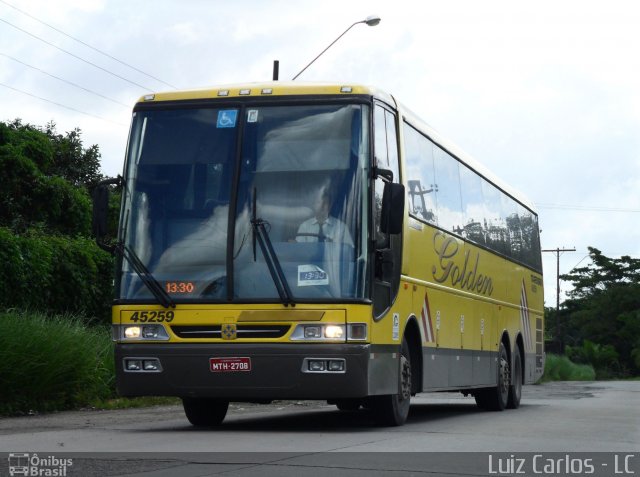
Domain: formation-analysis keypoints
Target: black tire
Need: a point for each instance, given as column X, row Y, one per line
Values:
column 515, row 390
column 393, row 409
column 205, row 412
column 496, row 398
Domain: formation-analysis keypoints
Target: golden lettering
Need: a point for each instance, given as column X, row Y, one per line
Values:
column 465, row 275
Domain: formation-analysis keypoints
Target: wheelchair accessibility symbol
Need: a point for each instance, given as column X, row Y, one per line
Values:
column 227, row 118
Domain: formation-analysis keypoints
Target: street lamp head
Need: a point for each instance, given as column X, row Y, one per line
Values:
column 372, row 20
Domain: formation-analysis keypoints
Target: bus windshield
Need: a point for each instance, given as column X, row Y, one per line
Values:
column 195, row 174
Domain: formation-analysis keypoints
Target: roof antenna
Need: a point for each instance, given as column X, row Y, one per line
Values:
column 276, row 69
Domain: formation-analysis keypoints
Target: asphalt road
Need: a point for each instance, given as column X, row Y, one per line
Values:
column 576, row 420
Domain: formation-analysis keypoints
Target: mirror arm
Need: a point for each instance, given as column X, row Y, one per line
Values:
column 385, row 174
column 118, row 180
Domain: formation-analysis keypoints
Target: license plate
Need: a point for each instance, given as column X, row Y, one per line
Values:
column 229, row 365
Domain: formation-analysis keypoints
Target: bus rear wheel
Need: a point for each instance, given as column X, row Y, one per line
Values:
column 205, row 412
column 393, row 409
column 515, row 390
column 496, row 398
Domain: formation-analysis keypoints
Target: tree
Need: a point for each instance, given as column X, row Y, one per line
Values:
column 604, row 309
column 49, row 261
column 71, row 161
column 602, row 273
column 45, row 179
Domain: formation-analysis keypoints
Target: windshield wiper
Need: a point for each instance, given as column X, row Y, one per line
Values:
column 275, row 269
column 145, row 275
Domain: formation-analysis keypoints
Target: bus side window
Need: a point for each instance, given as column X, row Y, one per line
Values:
column 448, row 195
column 421, row 190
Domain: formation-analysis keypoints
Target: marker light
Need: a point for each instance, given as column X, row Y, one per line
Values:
column 133, row 365
column 223, row 92
column 357, row 331
column 142, row 365
column 335, row 365
column 316, row 366
column 149, row 97
column 151, row 365
column 323, row 365
column 346, row 89
column 245, row 92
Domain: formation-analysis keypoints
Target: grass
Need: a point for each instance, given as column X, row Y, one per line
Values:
column 126, row 403
column 50, row 363
column 560, row 368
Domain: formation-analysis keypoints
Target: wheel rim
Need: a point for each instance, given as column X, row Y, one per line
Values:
column 504, row 377
column 405, row 378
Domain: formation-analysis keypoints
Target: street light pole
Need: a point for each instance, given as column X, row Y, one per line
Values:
column 372, row 20
column 557, row 251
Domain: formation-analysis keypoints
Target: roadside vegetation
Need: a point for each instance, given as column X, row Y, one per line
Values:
column 599, row 324
column 55, row 282
column 50, row 363
column 561, row 368
column 56, row 287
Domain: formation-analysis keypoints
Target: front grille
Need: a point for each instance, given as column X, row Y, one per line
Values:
column 242, row 331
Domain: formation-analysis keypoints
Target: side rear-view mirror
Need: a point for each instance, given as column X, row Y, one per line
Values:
column 100, row 211
column 392, row 213
column 99, row 220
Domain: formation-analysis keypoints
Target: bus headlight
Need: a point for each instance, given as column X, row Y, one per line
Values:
column 330, row 332
column 334, row 332
column 140, row 332
column 132, row 332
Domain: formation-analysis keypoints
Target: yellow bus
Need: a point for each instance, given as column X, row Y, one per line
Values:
column 316, row 241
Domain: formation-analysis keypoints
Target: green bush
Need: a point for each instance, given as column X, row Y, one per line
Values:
column 561, row 368
column 52, row 363
column 55, row 274
column 45, row 179
column 603, row 358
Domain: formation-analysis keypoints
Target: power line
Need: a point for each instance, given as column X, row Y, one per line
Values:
column 88, row 46
column 60, row 105
column 585, row 208
column 64, row 80
column 77, row 57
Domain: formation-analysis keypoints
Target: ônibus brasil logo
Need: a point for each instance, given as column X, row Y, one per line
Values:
column 34, row 465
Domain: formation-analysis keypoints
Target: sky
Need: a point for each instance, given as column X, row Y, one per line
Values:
column 545, row 94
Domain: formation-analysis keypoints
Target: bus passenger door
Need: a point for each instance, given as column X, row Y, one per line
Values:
column 388, row 246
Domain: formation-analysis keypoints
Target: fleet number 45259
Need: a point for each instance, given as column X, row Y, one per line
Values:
column 152, row 316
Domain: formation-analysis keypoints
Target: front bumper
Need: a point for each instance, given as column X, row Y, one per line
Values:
column 276, row 371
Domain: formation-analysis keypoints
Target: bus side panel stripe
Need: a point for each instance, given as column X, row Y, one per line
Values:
column 426, row 320
column 525, row 323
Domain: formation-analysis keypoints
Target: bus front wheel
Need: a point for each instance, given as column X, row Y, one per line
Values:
column 393, row 409
column 205, row 412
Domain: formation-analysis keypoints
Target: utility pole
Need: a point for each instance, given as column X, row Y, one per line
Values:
column 557, row 251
